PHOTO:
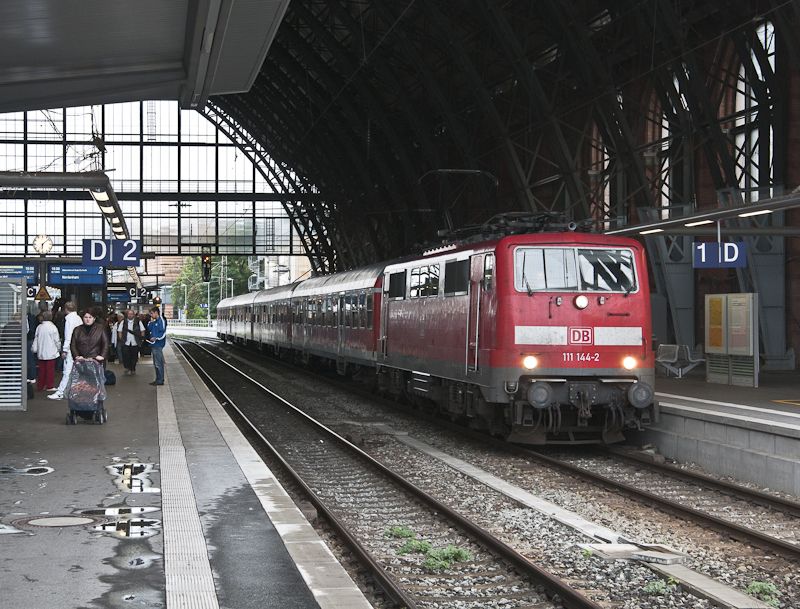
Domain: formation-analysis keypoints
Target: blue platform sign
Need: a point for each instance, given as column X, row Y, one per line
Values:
column 111, row 252
column 30, row 272
column 60, row 274
column 707, row 255
column 96, row 252
column 125, row 252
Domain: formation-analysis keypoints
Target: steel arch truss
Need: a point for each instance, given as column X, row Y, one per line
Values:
column 602, row 110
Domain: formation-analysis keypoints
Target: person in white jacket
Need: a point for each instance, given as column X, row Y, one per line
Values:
column 47, row 346
column 71, row 321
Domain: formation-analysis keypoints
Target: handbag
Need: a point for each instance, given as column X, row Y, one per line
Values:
column 111, row 378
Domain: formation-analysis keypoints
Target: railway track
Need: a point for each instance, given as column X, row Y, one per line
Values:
column 364, row 499
column 710, row 534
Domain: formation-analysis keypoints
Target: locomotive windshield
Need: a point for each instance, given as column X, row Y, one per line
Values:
column 538, row 269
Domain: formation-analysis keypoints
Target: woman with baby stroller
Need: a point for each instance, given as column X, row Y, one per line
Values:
column 89, row 348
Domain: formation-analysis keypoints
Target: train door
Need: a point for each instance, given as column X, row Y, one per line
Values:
column 481, row 283
column 340, row 325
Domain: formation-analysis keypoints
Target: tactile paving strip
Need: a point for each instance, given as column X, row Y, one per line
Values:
column 190, row 583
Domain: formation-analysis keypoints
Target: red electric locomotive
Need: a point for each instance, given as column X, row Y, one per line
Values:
column 540, row 338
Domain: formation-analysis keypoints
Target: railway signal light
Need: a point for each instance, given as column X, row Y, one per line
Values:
column 206, row 265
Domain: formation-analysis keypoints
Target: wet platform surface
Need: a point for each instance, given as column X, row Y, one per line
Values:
column 163, row 506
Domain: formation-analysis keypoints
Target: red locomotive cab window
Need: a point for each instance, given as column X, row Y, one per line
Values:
column 370, row 312
column 488, row 272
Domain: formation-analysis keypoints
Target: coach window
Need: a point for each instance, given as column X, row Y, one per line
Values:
column 354, row 311
column 335, row 311
column 415, row 287
column 488, row 271
column 433, row 281
column 370, row 312
column 397, row 285
column 456, row 277
column 362, row 311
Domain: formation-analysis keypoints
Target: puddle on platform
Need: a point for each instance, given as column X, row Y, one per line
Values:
column 25, row 471
column 126, row 511
column 137, row 528
column 133, row 477
column 7, row 529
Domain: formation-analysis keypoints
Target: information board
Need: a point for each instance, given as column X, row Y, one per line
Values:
column 60, row 274
column 118, row 296
column 29, row 272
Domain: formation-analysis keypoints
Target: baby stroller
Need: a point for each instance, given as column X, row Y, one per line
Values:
column 86, row 392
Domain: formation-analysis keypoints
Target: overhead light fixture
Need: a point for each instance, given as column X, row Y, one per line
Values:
column 99, row 195
column 652, row 230
column 755, row 213
column 118, row 229
column 116, row 220
column 699, row 223
column 107, row 210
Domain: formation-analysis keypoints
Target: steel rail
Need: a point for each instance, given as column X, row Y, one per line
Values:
column 570, row 598
column 381, row 578
column 778, row 504
column 785, row 549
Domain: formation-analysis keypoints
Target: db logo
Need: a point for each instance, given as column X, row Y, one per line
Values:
column 580, row 336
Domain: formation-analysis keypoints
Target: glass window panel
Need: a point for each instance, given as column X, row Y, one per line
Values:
column 11, row 157
column 198, row 168
column 160, row 169
column 160, row 121
column 195, row 128
column 529, row 269
column 235, row 170
column 84, row 157
column 83, row 122
column 432, row 288
column 45, row 157
column 122, row 122
column 559, row 267
column 124, row 160
column 416, row 282
column 605, row 270
column 46, row 124
column 82, row 208
column 12, row 125
column 10, row 207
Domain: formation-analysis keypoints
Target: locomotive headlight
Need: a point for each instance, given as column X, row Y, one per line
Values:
column 581, row 301
column 629, row 363
column 530, row 362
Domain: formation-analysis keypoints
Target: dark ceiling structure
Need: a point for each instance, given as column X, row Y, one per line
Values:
column 596, row 109
column 389, row 125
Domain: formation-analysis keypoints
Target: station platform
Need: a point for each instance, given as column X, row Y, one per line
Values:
column 165, row 505
column 751, row 434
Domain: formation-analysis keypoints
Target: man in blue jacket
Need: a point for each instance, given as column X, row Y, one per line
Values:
column 158, row 338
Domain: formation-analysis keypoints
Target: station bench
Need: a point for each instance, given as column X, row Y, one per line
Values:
column 676, row 359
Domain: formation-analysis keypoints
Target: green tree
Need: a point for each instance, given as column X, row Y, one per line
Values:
column 197, row 292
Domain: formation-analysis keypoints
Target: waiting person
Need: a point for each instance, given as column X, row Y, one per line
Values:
column 58, row 320
column 130, row 339
column 158, row 338
column 71, row 321
column 47, row 346
column 115, row 338
column 31, row 328
column 90, row 341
